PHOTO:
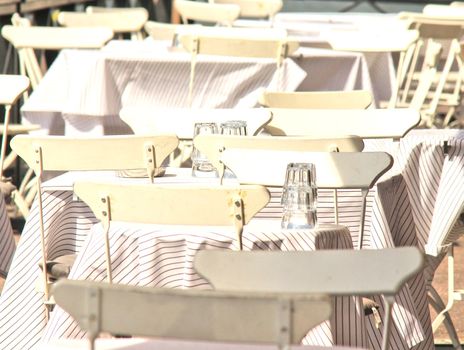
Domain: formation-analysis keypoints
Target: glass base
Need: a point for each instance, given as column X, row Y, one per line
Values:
column 204, row 170
column 299, row 220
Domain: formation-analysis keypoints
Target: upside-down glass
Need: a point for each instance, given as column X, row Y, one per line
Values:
column 201, row 166
column 299, row 197
column 234, row 127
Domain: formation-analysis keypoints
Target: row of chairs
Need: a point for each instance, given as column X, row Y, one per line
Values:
column 278, row 310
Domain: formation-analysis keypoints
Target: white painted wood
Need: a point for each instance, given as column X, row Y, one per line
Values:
column 371, row 41
column 12, row 86
column 166, row 31
column 340, row 272
column 369, row 123
column 224, row 14
column 184, row 204
column 181, row 121
column 56, row 38
column 119, row 21
column 191, row 314
column 255, row 8
column 62, row 153
column 357, row 99
column 214, row 145
column 333, row 169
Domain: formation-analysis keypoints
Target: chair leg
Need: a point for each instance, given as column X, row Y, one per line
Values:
column 443, row 311
column 438, row 305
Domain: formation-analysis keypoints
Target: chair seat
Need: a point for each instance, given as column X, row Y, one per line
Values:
column 16, row 129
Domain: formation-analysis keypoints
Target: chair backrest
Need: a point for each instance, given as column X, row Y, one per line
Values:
column 334, row 169
column 183, row 204
column 369, row 123
column 181, row 121
column 358, row 99
column 334, row 272
column 255, row 8
column 452, row 10
column 190, row 314
column 214, row 145
column 55, row 38
column 166, row 31
column 119, row 21
column 12, row 86
column 263, row 47
column 224, row 14
column 59, row 153
column 375, row 41
column 27, row 38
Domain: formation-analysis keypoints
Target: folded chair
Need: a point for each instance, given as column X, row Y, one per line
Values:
column 357, row 99
column 11, row 88
column 222, row 14
column 57, row 153
column 369, row 123
column 214, row 145
column 281, row 319
column 172, row 205
column 340, row 272
column 26, row 39
column 445, row 89
column 335, row 170
column 236, row 46
column 119, row 20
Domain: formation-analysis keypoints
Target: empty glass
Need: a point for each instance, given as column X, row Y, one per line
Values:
column 299, row 197
column 201, row 166
column 234, row 127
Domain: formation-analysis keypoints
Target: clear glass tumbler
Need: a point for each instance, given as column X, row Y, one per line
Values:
column 299, row 197
column 234, row 127
column 201, row 166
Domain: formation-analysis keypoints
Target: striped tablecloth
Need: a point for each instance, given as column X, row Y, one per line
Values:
column 159, row 344
column 7, row 242
column 83, row 91
column 136, row 260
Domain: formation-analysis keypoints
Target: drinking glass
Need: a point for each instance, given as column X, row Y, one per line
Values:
column 299, row 197
column 234, row 127
column 201, row 166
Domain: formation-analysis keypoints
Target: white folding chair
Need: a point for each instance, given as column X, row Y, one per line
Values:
column 369, row 123
column 172, row 205
column 445, row 87
column 181, row 122
column 221, row 14
column 236, row 45
column 119, row 20
column 166, row 31
column 255, row 8
column 357, row 99
column 340, row 272
column 281, row 319
column 26, row 39
column 57, row 153
column 214, row 145
column 11, row 88
column 335, row 170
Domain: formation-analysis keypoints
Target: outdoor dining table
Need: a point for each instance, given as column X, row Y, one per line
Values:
column 161, row 256
column 83, row 91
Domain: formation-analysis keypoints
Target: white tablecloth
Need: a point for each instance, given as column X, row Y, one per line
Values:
column 143, row 344
column 83, row 91
column 138, row 261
